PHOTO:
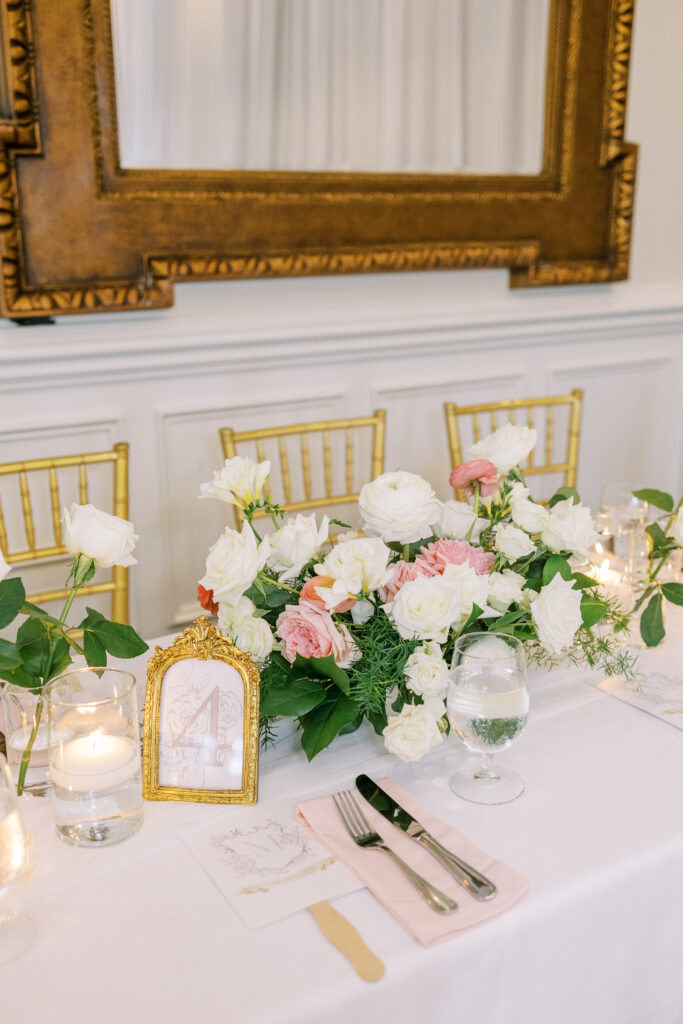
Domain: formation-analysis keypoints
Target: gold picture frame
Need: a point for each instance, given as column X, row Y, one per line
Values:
column 206, row 689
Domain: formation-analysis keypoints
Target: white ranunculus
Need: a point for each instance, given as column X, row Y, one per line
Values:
column 4, row 567
column 358, row 568
column 474, row 589
column 506, row 447
column 556, row 613
column 398, row 507
column 426, row 608
column 108, row 540
column 455, row 520
column 676, row 530
column 233, row 564
column 426, row 672
column 239, row 482
column 410, row 734
column 296, row 543
column 569, row 528
column 527, row 514
column 512, row 542
column 505, row 588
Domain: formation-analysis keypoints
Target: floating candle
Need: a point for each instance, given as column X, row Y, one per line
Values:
column 94, row 763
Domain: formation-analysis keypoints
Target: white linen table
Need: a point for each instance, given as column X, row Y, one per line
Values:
column 137, row 932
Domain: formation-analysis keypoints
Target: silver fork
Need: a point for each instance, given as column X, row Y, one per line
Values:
column 361, row 831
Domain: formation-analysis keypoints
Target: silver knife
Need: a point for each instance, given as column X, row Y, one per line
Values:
column 481, row 887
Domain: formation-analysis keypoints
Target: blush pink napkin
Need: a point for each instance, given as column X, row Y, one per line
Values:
column 390, row 885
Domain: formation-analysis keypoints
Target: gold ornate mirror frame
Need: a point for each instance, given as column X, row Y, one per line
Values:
column 203, row 642
column 81, row 234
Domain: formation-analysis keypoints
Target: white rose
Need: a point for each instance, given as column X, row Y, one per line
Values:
column 239, row 482
column 512, row 542
column 358, row 567
column 434, row 706
column 4, row 567
column 398, row 507
column 108, row 540
column 506, row 447
column 556, row 613
column 677, row 527
column 505, row 588
column 455, row 520
column 233, row 564
column 426, row 672
column 474, row 589
column 410, row 734
column 247, row 631
column 529, row 515
column 296, row 543
column 426, row 608
column 569, row 528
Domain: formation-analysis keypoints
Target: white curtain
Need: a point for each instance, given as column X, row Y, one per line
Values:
column 357, row 85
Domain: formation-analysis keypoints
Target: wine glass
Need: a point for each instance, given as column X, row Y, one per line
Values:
column 488, row 707
column 16, row 928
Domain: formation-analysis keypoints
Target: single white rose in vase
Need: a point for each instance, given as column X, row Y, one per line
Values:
column 105, row 539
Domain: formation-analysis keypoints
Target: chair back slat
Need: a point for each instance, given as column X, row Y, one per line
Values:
column 567, row 467
column 327, row 462
column 82, row 484
column 306, row 466
column 284, row 469
column 55, row 506
column 27, row 511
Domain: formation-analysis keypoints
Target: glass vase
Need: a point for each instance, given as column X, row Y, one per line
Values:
column 19, row 708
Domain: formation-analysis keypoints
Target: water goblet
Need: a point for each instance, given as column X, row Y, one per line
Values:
column 488, row 707
column 16, row 928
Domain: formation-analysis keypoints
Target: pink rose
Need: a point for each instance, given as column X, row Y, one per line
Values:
column 311, row 632
column 479, row 471
column 309, row 593
column 441, row 553
column 404, row 572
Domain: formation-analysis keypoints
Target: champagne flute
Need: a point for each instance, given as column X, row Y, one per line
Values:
column 488, row 707
column 16, row 928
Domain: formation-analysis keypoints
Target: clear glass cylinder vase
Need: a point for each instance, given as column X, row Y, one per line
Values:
column 19, row 709
column 94, row 755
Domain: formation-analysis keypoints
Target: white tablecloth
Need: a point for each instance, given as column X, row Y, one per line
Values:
column 138, row 932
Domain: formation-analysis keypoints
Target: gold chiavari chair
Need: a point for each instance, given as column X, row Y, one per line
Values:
column 118, row 584
column 230, row 439
column 489, row 416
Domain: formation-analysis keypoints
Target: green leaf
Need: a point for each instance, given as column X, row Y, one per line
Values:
column 33, row 644
column 60, row 659
column 9, row 655
column 120, row 640
column 583, row 582
column 562, row 493
column 652, row 622
column 657, row 536
column 325, row 667
column 321, row 725
column 20, row 677
column 673, row 592
column 660, row 499
column 378, row 720
column 555, row 564
column 34, row 612
column 592, row 610
column 276, row 598
column 294, row 700
column 12, row 596
column 352, row 726
column 338, row 522
column 93, row 648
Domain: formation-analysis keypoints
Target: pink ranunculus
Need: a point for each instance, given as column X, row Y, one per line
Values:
column 312, row 633
column 310, row 594
column 404, row 572
column 479, row 471
column 205, row 598
column 441, row 553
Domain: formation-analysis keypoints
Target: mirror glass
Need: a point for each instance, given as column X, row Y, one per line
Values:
column 424, row 86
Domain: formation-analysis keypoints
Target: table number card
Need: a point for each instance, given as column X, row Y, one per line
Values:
column 266, row 865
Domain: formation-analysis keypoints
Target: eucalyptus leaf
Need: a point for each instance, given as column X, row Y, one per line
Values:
column 673, row 592
column 652, row 622
column 660, row 499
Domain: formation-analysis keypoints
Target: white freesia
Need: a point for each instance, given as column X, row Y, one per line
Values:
column 426, row 672
column 4, row 567
column 474, row 589
column 569, row 528
column 556, row 613
column 239, row 482
column 505, row 588
column 233, row 563
column 528, row 515
column 108, row 540
column 399, row 507
column 296, row 543
column 506, row 447
column 410, row 734
column 246, row 630
column 455, row 520
column 512, row 542
column 358, row 568
column 426, row 608
column 676, row 530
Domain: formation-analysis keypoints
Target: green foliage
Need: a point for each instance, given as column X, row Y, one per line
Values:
column 12, row 597
column 660, row 499
column 323, row 723
column 562, row 493
column 593, row 609
column 555, row 564
column 673, row 592
column 9, row 655
column 652, row 622
column 380, row 669
column 121, row 641
column 300, row 696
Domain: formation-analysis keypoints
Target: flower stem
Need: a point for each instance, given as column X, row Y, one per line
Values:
column 26, row 756
column 476, row 490
column 276, row 583
column 406, row 552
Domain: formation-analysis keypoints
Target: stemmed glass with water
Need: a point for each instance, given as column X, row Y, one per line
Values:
column 16, row 928
column 488, row 707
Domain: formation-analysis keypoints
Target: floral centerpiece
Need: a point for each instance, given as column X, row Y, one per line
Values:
column 44, row 645
column 363, row 628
